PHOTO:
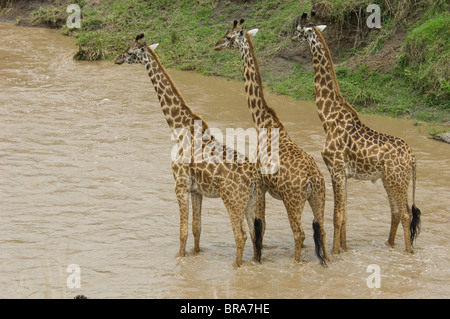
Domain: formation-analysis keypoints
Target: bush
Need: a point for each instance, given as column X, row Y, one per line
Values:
column 427, row 54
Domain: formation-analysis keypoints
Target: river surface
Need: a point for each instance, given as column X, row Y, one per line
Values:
column 87, row 203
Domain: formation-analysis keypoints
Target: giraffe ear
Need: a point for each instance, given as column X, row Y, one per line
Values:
column 321, row 27
column 253, row 32
column 153, row 46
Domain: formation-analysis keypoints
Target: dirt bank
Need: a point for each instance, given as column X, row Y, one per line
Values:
column 19, row 11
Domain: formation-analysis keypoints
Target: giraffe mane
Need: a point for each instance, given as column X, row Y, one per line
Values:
column 258, row 79
column 328, row 54
column 174, row 88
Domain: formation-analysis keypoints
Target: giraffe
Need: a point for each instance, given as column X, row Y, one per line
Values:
column 298, row 178
column 353, row 150
column 225, row 173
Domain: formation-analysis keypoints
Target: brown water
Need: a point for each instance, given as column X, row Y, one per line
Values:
column 85, row 179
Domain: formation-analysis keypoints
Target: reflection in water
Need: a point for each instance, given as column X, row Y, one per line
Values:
column 86, row 180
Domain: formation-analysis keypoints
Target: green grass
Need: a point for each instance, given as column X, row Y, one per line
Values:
column 368, row 92
column 299, row 84
column 426, row 56
column 54, row 17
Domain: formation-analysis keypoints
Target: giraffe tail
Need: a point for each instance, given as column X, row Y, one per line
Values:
column 258, row 237
column 318, row 243
column 414, row 227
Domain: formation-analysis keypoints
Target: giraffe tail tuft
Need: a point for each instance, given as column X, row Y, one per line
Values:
column 258, row 237
column 318, row 243
column 414, row 227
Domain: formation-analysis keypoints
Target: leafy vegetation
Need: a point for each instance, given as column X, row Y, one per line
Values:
column 426, row 56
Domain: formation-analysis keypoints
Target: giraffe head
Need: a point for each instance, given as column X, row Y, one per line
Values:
column 136, row 52
column 306, row 29
column 233, row 37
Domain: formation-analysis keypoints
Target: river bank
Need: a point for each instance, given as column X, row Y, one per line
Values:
column 378, row 70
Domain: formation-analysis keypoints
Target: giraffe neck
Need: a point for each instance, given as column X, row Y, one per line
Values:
column 329, row 101
column 176, row 112
column 262, row 114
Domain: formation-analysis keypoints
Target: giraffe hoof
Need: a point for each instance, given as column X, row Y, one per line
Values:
column 389, row 244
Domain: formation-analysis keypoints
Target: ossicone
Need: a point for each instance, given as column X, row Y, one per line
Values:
column 139, row 36
column 235, row 23
column 304, row 17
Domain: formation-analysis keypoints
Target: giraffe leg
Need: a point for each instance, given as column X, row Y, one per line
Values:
column 196, row 219
column 261, row 210
column 255, row 213
column 406, row 217
column 317, row 203
column 236, row 205
column 261, row 215
column 395, row 220
column 339, row 217
column 251, row 216
column 240, row 235
column 183, row 203
column 294, row 214
column 395, row 217
column 344, row 224
column 398, row 195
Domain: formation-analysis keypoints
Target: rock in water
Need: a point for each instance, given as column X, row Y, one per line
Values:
column 444, row 137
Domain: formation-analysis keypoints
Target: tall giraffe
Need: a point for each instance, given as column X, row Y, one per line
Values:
column 298, row 178
column 218, row 172
column 353, row 150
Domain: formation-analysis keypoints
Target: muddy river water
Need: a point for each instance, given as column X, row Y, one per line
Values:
column 87, row 203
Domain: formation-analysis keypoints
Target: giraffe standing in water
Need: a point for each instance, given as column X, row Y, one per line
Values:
column 298, row 178
column 211, row 169
column 353, row 150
